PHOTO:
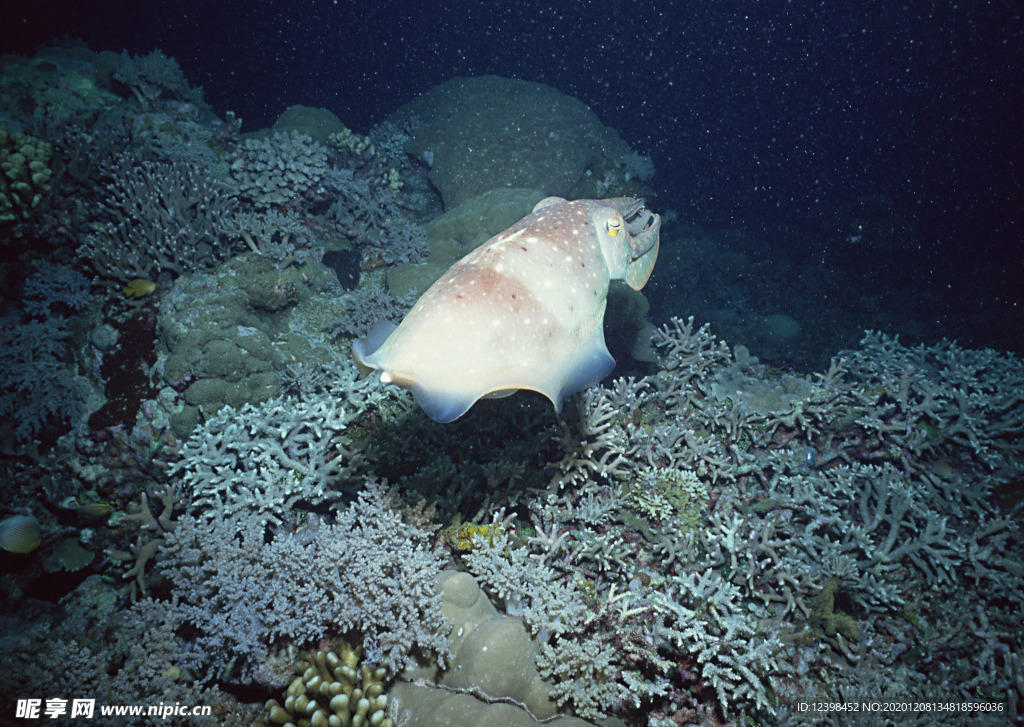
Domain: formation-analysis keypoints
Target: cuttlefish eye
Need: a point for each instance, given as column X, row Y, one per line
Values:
column 613, row 225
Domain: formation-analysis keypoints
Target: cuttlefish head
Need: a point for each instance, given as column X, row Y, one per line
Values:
column 631, row 239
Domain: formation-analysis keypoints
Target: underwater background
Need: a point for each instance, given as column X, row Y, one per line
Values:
column 795, row 500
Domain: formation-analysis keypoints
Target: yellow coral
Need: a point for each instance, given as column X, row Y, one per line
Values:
column 394, row 180
column 349, row 141
column 332, row 689
column 461, row 536
column 24, row 176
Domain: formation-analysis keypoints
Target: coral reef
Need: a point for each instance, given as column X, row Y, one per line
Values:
column 156, row 217
column 24, row 178
column 222, row 336
column 332, row 688
column 277, row 169
column 105, row 654
column 256, row 463
column 153, row 529
column 270, row 233
column 491, row 676
column 707, row 540
column 43, row 388
column 153, row 76
column 39, row 386
column 700, row 616
column 318, row 124
column 368, row 573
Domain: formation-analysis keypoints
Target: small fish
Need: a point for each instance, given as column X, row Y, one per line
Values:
column 525, row 310
column 138, row 288
column 97, row 509
column 20, row 534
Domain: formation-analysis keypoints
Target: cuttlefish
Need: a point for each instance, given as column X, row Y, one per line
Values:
column 522, row 311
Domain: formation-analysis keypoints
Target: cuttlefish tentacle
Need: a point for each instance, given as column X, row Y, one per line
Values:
column 632, row 209
column 644, row 241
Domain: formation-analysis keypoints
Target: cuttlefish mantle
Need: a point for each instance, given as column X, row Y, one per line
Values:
column 525, row 310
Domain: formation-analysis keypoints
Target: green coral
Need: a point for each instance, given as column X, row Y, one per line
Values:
column 830, row 621
column 460, row 536
column 334, row 689
column 348, row 141
column 660, row 493
column 24, row 177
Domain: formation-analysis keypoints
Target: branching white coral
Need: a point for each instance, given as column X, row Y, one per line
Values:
column 263, row 459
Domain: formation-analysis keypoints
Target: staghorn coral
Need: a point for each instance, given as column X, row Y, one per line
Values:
column 582, row 674
column 846, row 511
column 702, row 615
column 269, row 233
column 923, row 402
column 359, row 309
column 259, row 461
column 53, row 288
column 404, row 242
column 594, row 445
column 368, row 574
column 40, row 388
column 525, row 586
column 113, row 655
column 366, row 210
column 581, row 670
column 697, row 616
column 152, row 532
column 157, row 216
column 691, row 355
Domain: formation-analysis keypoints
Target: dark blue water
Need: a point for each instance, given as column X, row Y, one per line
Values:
column 776, row 117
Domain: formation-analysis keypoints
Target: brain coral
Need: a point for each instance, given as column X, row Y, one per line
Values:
column 487, row 132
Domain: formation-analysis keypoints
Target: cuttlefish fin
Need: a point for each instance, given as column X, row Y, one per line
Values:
column 590, row 363
column 442, row 406
column 363, row 348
